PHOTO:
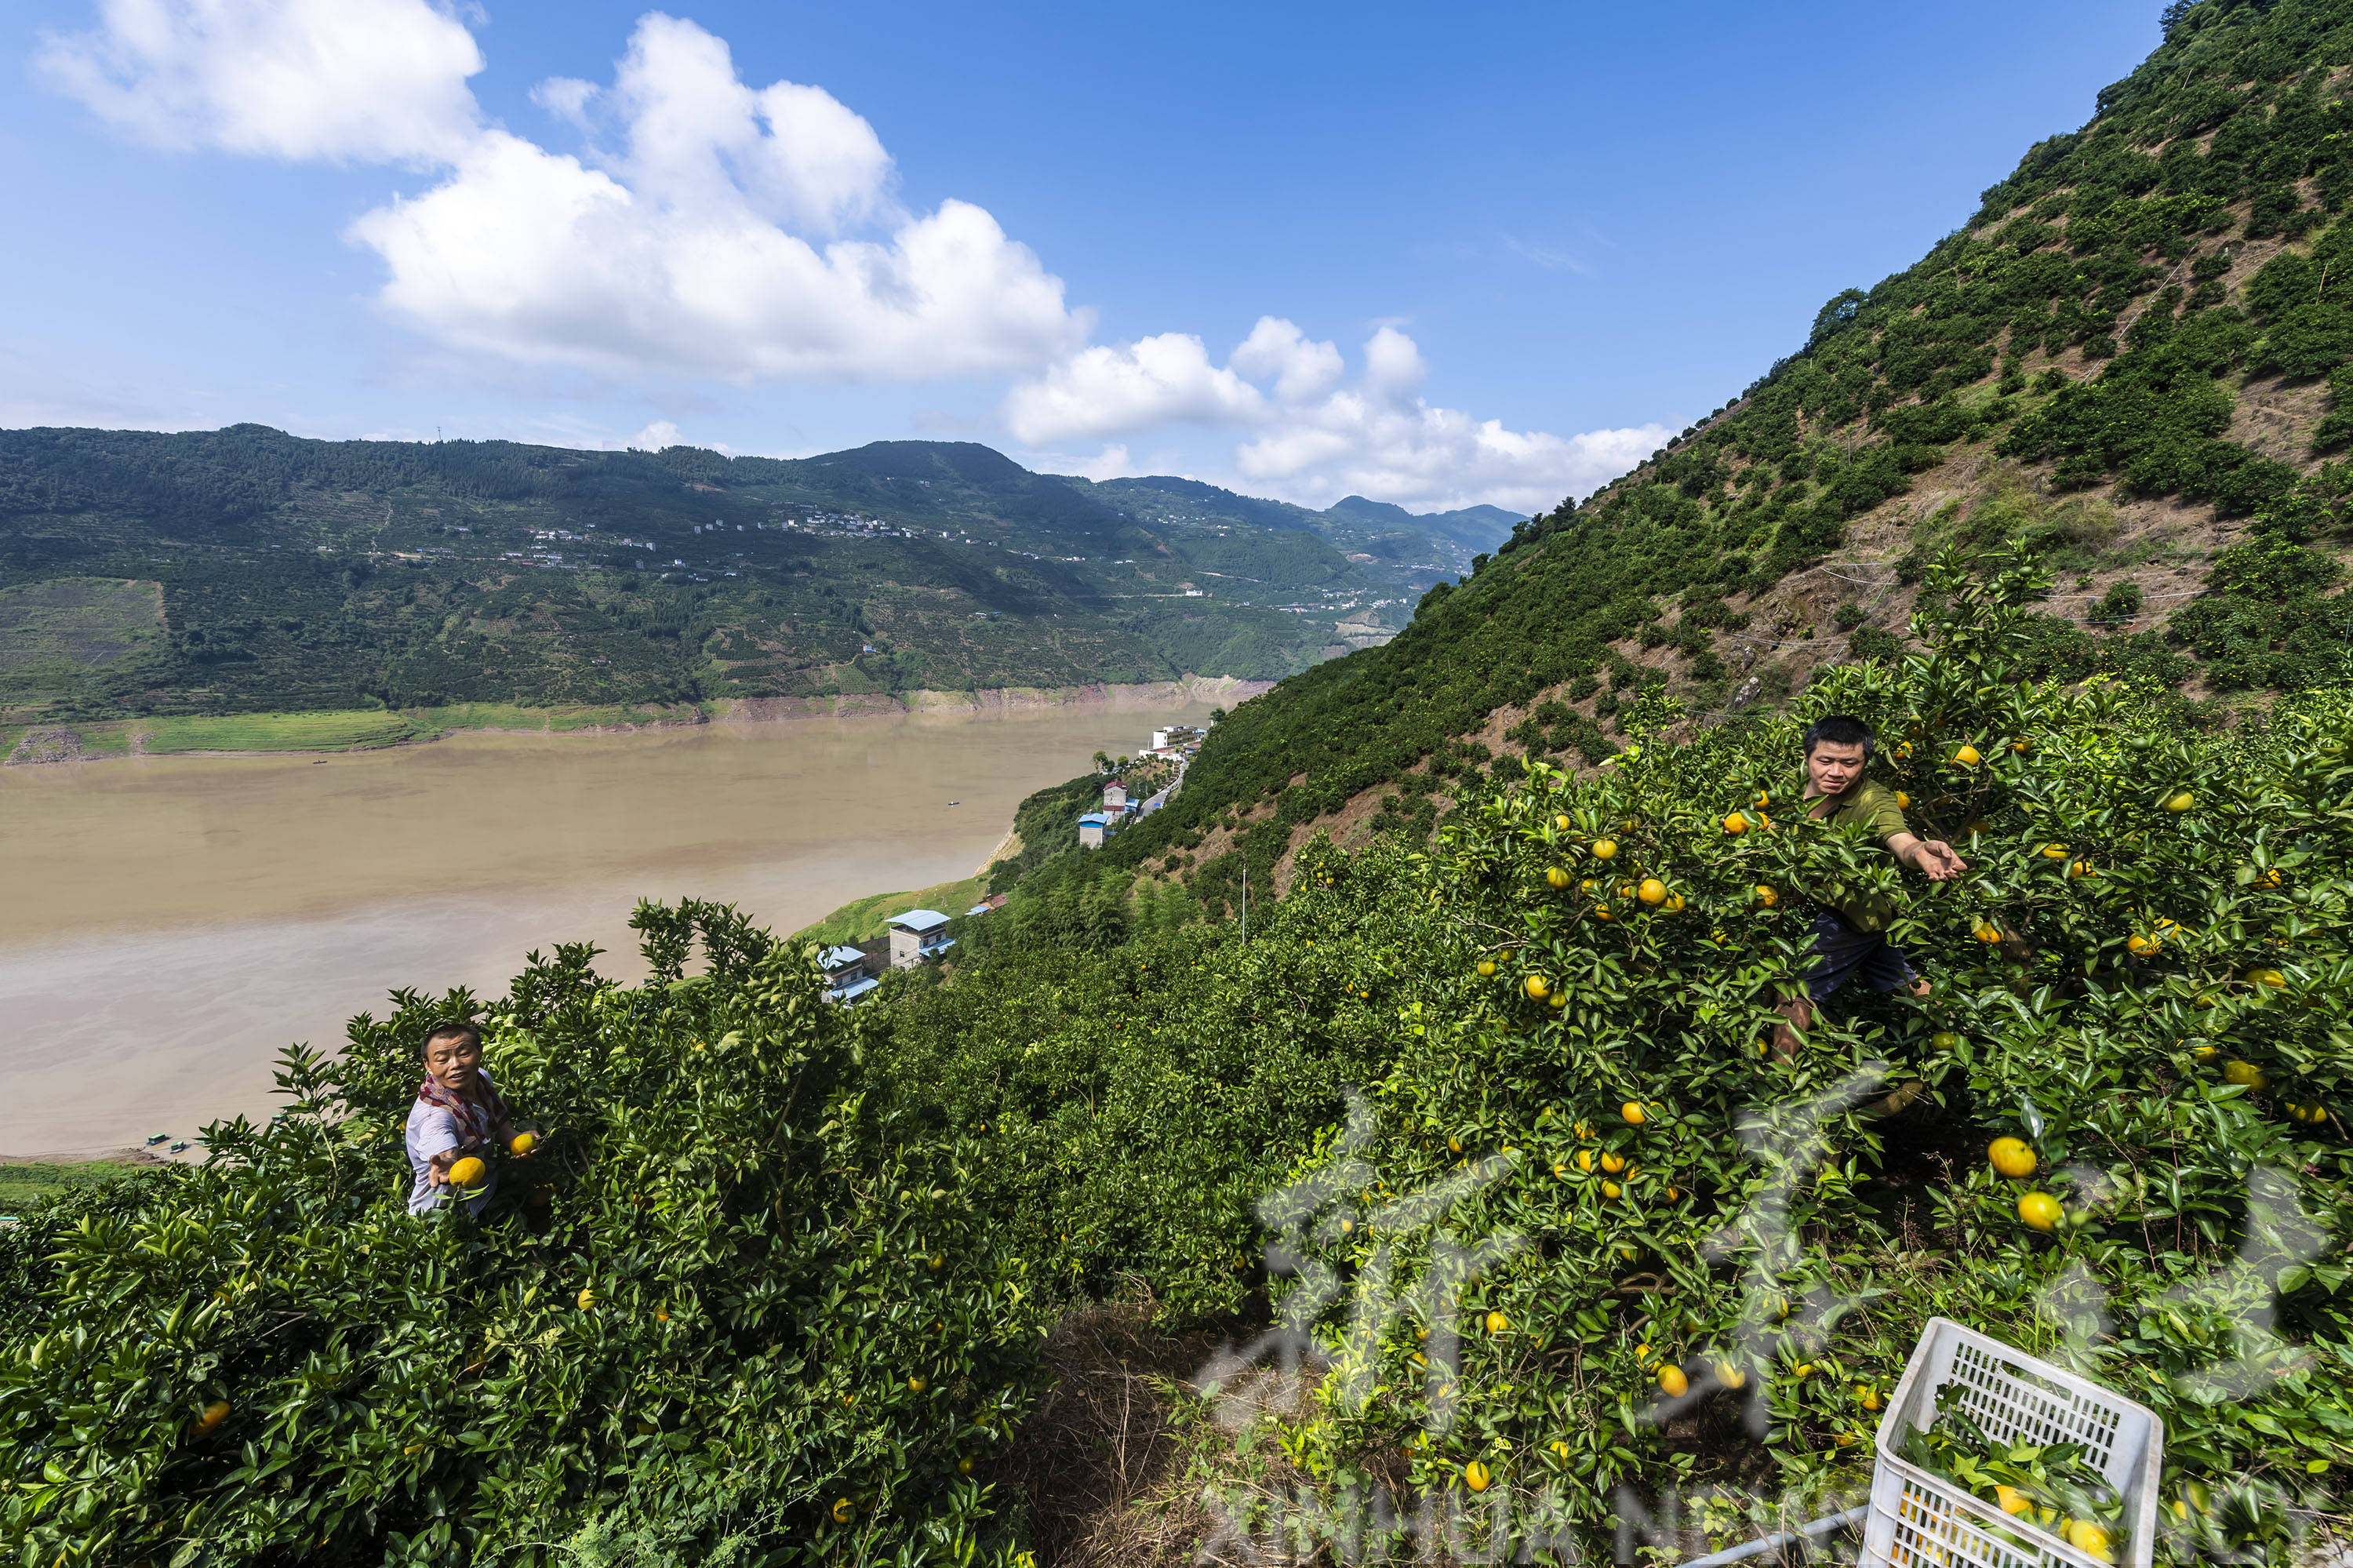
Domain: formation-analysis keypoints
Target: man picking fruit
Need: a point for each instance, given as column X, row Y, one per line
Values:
column 1851, row 939
column 457, row 1121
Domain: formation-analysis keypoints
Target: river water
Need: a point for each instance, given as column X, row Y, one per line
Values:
column 170, row 922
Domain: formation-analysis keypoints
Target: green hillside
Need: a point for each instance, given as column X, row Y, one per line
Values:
column 245, row 570
column 2128, row 357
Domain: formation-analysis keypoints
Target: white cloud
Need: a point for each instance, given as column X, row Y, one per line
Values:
column 654, row 437
column 717, row 237
column 1315, row 437
column 709, row 227
column 365, row 80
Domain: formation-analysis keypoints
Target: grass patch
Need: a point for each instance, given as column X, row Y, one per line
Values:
column 282, row 732
column 514, row 716
column 865, row 919
column 21, row 1186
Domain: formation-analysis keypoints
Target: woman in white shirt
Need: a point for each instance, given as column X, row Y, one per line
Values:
column 457, row 1114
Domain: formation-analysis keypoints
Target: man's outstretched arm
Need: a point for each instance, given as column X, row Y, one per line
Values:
column 1934, row 857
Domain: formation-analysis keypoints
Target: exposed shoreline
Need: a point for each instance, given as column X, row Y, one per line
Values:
column 43, row 744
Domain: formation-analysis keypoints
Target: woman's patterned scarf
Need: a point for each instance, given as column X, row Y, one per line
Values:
column 474, row 1120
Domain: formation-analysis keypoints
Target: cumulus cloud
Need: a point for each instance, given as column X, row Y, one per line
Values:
column 725, row 231
column 1313, row 435
column 706, row 226
column 363, row 81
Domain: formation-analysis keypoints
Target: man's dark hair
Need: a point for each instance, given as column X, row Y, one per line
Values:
column 1840, row 729
column 449, row 1031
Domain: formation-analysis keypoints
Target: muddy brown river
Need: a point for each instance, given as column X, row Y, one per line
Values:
column 170, row 922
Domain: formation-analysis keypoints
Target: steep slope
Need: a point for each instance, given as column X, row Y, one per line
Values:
column 242, row 568
column 2129, row 359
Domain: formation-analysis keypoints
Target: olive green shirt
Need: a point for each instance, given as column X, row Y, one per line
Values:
column 1870, row 805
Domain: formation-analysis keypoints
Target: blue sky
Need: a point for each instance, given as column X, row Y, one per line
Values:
column 1435, row 255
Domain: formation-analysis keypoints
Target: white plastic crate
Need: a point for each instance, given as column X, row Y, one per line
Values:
column 1918, row 1520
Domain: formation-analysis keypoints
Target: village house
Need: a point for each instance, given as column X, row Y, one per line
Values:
column 918, row 935
column 847, row 977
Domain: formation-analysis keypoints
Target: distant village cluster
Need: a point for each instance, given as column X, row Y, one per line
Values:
column 920, row 936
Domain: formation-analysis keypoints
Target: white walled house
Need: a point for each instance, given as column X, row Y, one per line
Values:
column 918, row 935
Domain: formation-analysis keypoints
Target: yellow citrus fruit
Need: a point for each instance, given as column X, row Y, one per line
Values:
column 1497, row 1322
column 1561, row 1171
column 2089, row 1539
column 1652, row 891
column 2138, row 944
column 1673, row 1382
column 1610, row 1189
column 1601, row 911
column 1730, row 1376
column 916, row 1385
column 1454, row 1145
column 1945, row 1040
column 2082, row 868
column 1986, row 931
column 1476, row 1476
column 1735, row 823
column 1613, row 1163
column 1536, row 988
column 2245, row 1072
column 1604, row 849
column 2205, row 1052
column 1675, row 903
column 842, row 1508
column 587, row 1298
column 1902, row 802
column 214, row 1414
column 2017, row 746
column 662, row 1314
column 1866, row 1396
column 1967, row 756
column 1766, row 896
column 467, row 1172
column 1560, row 823
column 2013, row 1158
column 1585, row 1159
column 2181, row 802
column 1583, row 1130
column 964, row 1466
column 1486, row 968
column 2040, row 1210
column 936, row 1262
column 523, row 1142
column 2011, row 1500
column 1559, row 1000
column 1633, row 1112
column 1557, row 877
column 2271, row 978
column 2054, row 851
column 1560, row 1447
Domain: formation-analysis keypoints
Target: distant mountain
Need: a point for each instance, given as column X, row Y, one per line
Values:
column 244, row 568
column 1427, row 549
column 1476, row 530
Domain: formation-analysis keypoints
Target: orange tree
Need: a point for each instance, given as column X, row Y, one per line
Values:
column 1589, row 1232
column 728, row 1307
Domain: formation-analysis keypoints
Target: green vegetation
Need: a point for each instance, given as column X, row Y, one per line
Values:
column 279, row 732
column 819, row 1243
column 734, row 1304
column 867, row 919
column 24, row 1184
column 244, row 570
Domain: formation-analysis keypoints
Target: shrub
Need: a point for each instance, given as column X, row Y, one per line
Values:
column 733, row 1305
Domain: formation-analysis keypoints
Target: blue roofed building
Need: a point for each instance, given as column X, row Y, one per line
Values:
column 918, row 935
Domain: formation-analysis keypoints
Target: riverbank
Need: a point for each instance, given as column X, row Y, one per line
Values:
column 179, row 918
column 330, row 732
